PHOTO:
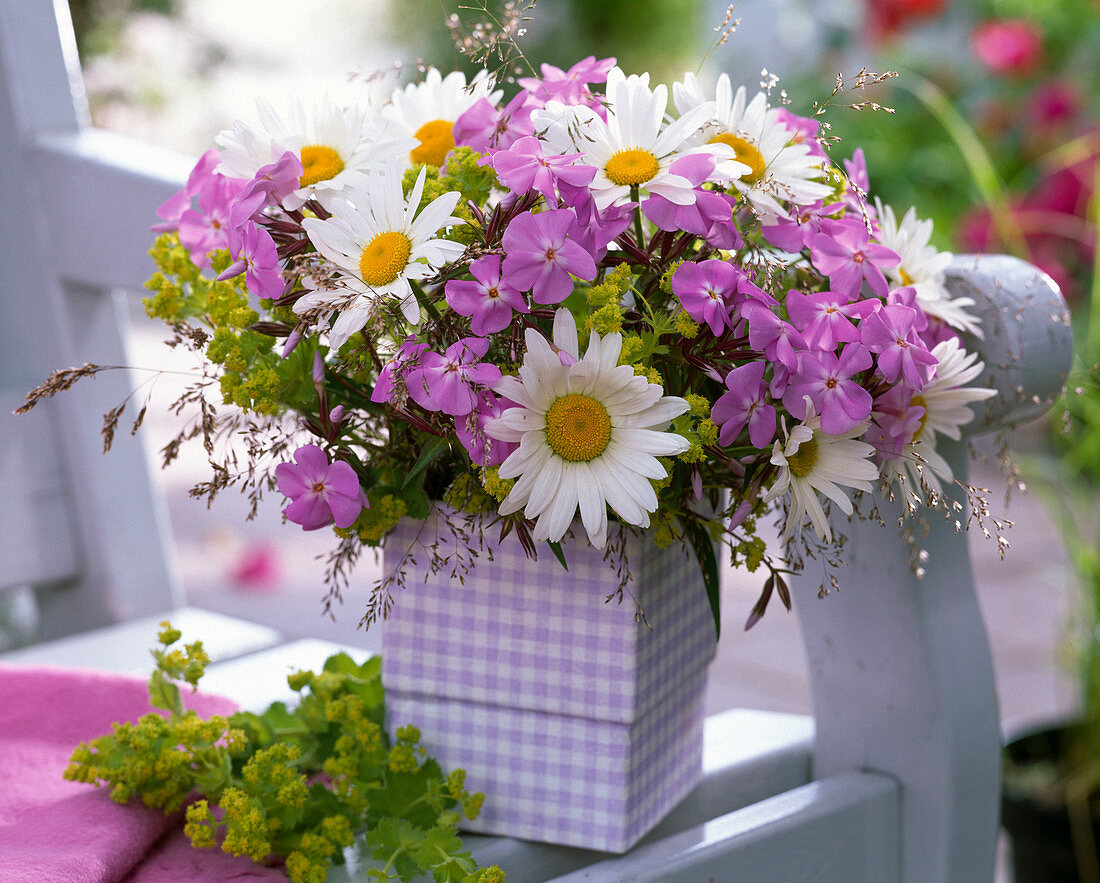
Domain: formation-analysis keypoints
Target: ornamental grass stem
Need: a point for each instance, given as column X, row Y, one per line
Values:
column 982, row 171
column 1092, row 336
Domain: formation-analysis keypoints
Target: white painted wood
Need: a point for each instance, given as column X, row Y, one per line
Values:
column 124, row 648
column 900, row 670
column 56, row 316
column 835, row 830
column 257, row 680
column 902, row 683
column 100, row 191
column 35, row 522
column 1028, row 343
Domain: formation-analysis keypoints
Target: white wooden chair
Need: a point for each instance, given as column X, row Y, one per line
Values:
column 896, row 778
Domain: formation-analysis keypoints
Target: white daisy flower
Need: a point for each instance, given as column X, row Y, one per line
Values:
column 426, row 112
column 945, row 401
column 922, row 267
column 378, row 243
column 633, row 147
column 589, row 435
column 810, row 461
column 779, row 168
column 333, row 144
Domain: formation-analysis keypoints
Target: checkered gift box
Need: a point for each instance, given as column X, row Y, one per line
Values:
column 581, row 725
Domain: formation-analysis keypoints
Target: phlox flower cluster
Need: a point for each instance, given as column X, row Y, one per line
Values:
column 594, row 299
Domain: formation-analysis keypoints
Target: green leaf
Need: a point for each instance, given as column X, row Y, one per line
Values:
column 394, row 842
column 422, row 299
column 701, row 542
column 278, row 717
column 436, row 445
column 164, row 694
column 558, row 553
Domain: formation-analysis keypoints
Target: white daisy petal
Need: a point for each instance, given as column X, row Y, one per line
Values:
column 812, row 462
column 575, row 454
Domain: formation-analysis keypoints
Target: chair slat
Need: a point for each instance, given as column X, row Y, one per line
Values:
column 124, row 648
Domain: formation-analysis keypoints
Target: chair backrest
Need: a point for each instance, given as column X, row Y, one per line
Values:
column 85, row 530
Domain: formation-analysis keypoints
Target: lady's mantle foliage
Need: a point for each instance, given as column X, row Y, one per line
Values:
column 570, row 303
column 297, row 785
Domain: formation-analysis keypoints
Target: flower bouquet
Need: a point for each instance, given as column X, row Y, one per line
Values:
column 580, row 310
column 582, row 321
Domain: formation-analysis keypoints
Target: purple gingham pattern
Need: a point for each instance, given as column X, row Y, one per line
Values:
column 582, row 726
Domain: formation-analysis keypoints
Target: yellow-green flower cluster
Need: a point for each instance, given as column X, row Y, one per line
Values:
column 467, row 494
column 697, row 427
column 498, row 488
column 605, row 299
column 252, row 379
column 264, row 804
column 462, row 173
column 377, row 520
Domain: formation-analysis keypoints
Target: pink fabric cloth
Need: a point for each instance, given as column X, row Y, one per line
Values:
column 54, row 830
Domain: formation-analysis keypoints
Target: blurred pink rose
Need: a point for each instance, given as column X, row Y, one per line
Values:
column 1007, row 45
column 1054, row 103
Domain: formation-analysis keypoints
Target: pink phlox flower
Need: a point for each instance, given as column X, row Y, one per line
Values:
column 541, row 257
column 270, row 186
column 827, row 380
column 779, row 341
column 571, row 86
column 203, row 229
column 449, row 382
column 906, row 296
column 824, row 318
column 856, row 169
column 781, row 378
column 254, row 254
column 888, row 332
column 895, row 422
column 595, row 230
column 745, row 402
column 704, row 289
column 485, row 127
column 843, row 251
column 522, row 167
column 747, row 295
column 797, row 231
column 395, row 368
column 320, row 492
column 201, row 176
column 710, row 215
column 488, row 301
column 470, row 429
column 803, row 130
column 936, row 333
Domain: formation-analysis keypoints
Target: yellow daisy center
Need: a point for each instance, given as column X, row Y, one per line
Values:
column 746, row 152
column 801, row 462
column 319, row 163
column 919, row 402
column 437, row 139
column 384, row 258
column 906, row 279
column 578, row 428
column 633, row 166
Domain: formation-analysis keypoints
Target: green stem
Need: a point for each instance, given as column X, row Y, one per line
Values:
column 974, row 154
column 1092, row 338
column 638, row 235
column 422, row 299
